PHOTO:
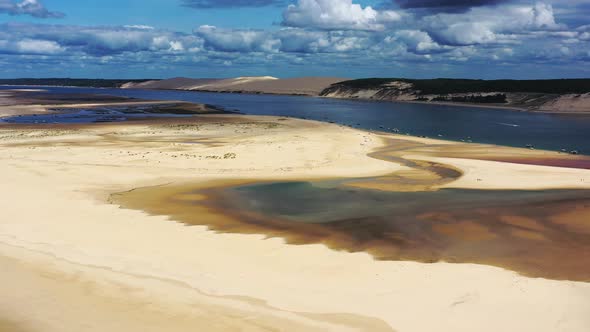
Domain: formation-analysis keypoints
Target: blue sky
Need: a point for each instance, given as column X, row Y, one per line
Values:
column 289, row 38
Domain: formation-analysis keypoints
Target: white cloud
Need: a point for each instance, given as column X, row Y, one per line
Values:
column 30, row 46
column 484, row 25
column 237, row 40
column 33, row 46
column 416, row 41
column 336, row 14
column 139, row 27
column 99, row 41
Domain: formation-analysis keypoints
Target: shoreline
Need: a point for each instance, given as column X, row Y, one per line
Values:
column 19, row 102
column 440, row 103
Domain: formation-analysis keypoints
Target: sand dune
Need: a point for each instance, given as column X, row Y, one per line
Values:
column 262, row 84
column 230, row 83
column 177, row 83
column 302, row 85
column 572, row 103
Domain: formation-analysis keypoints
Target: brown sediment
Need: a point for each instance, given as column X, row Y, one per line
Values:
column 419, row 175
column 487, row 152
column 12, row 326
column 547, row 237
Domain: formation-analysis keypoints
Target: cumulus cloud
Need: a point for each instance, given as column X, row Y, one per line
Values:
column 288, row 40
column 486, row 25
column 337, row 14
column 98, row 41
column 237, row 40
column 310, row 42
column 204, row 4
column 27, row 7
column 30, row 46
column 416, row 41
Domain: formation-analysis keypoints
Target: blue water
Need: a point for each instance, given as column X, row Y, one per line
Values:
column 485, row 125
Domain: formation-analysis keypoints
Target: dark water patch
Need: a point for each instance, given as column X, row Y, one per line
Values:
column 537, row 233
column 114, row 113
column 85, row 116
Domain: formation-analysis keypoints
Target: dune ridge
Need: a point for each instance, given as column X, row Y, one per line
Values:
column 259, row 84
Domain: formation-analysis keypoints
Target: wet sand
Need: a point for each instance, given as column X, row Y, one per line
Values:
column 535, row 233
column 39, row 102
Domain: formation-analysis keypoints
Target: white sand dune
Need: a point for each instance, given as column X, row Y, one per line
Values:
column 177, row 83
column 229, row 83
column 257, row 84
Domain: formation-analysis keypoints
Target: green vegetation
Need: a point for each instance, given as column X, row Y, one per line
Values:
column 79, row 82
column 443, row 86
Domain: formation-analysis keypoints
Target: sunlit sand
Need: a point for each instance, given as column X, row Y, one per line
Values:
column 67, row 242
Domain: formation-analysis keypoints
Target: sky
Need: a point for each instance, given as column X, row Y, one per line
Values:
column 487, row 39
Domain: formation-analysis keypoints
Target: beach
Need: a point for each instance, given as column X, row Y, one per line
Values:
column 87, row 264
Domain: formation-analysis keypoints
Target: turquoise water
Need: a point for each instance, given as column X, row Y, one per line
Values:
column 315, row 203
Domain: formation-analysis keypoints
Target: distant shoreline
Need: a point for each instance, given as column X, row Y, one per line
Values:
column 440, row 103
column 514, row 108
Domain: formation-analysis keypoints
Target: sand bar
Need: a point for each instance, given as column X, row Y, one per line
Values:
column 70, row 249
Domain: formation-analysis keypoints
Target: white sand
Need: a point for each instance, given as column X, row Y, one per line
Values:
column 483, row 174
column 72, row 262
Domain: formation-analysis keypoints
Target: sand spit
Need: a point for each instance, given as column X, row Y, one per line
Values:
column 31, row 101
column 84, row 264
